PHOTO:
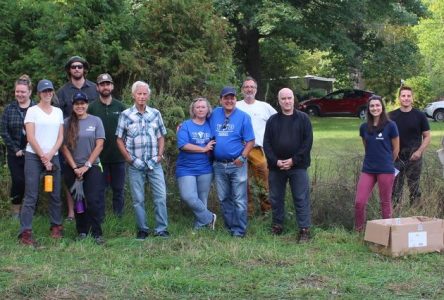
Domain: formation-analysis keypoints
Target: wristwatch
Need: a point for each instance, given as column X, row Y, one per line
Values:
column 88, row 164
column 242, row 158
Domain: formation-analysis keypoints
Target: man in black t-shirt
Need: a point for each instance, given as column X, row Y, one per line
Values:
column 414, row 134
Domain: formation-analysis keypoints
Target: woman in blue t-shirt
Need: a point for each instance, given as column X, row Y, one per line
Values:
column 381, row 143
column 194, row 171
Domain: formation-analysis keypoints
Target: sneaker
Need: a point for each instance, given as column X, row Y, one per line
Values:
column 163, row 234
column 56, row 231
column 304, row 235
column 99, row 240
column 276, row 229
column 141, row 235
column 81, row 236
column 25, row 238
column 237, row 235
column 212, row 224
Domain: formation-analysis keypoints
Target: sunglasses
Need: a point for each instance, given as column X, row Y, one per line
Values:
column 225, row 124
column 76, row 67
column 47, row 91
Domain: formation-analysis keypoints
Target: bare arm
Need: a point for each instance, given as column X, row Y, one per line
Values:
column 395, row 146
column 198, row 149
column 426, row 138
column 160, row 148
column 248, row 146
column 92, row 158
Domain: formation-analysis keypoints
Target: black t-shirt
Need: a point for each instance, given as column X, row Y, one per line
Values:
column 411, row 125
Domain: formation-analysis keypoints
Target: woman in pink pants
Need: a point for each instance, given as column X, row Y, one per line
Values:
column 381, row 143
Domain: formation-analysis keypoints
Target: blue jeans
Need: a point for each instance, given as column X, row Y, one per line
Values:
column 231, row 186
column 194, row 191
column 115, row 178
column 155, row 177
column 300, row 191
column 33, row 170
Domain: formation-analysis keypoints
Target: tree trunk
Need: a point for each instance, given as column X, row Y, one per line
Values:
column 252, row 59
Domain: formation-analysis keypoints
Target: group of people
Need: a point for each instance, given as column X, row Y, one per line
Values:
column 239, row 144
column 394, row 144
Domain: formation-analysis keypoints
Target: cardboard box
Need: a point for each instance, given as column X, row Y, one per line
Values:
column 402, row 236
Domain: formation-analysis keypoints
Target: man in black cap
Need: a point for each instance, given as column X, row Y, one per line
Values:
column 76, row 68
column 108, row 109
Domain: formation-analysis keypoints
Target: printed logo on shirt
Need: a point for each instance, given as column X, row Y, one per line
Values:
column 200, row 137
column 379, row 136
column 91, row 128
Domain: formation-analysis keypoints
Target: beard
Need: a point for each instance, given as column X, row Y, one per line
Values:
column 105, row 93
column 77, row 76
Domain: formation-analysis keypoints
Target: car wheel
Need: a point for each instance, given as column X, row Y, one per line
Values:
column 438, row 115
column 362, row 113
column 312, row 111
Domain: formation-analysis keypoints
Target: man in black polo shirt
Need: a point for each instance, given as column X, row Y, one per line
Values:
column 414, row 137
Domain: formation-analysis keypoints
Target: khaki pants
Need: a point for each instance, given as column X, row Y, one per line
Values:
column 257, row 181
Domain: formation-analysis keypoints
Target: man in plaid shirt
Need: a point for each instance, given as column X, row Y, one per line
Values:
column 140, row 138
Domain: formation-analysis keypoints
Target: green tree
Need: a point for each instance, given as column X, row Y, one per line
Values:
column 431, row 44
column 344, row 28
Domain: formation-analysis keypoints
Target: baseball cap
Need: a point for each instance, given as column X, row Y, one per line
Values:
column 228, row 90
column 79, row 96
column 105, row 77
column 44, row 84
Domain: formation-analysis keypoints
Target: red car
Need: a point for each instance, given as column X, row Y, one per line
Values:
column 341, row 102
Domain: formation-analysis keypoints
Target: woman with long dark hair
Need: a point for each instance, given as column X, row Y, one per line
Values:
column 381, row 143
column 44, row 131
column 14, row 136
column 83, row 142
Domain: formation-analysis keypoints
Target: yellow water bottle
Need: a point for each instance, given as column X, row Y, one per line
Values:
column 48, row 182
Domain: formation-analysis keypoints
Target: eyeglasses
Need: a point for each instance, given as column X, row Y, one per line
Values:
column 76, row 67
column 225, row 124
column 105, row 83
column 47, row 91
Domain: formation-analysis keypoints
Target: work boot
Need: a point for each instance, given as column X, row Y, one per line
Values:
column 25, row 238
column 56, row 231
column 304, row 235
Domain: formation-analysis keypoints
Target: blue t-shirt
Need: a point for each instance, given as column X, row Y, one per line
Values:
column 378, row 150
column 188, row 163
column 230, row 133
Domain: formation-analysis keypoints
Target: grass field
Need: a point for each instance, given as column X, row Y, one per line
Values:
column 213, row 265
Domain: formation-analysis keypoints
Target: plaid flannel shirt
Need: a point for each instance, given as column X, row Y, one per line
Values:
column 12, row 127
column 140, row 133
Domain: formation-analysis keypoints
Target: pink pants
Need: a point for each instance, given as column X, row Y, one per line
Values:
column 364, row 189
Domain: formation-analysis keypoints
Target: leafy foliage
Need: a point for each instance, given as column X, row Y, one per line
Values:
column 431, row 44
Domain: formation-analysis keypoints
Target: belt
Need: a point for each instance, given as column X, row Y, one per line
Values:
column 225, row 161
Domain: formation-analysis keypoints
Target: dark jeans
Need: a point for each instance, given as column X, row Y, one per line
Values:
column 298, row 179
column 114, row 175
column 17, row 169
column 410, row 170
column 94, row 188
column 33, row 169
